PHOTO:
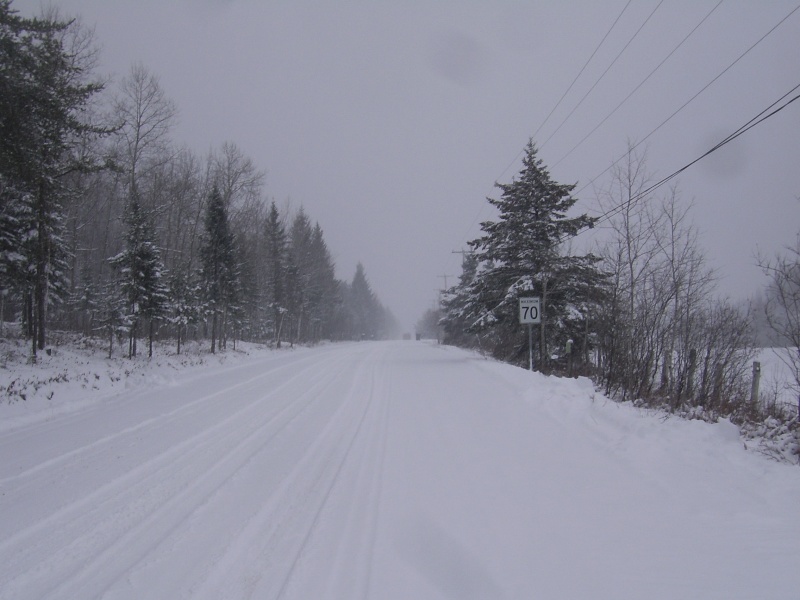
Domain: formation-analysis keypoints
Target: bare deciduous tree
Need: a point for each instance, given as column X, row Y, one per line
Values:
column 783, row 304
column 663, row 335
column 146, row 116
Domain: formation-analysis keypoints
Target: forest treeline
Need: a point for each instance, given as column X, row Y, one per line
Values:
column 109, row 227
column 640, row 313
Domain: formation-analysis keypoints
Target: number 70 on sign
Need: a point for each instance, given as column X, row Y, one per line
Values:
column 529, row 311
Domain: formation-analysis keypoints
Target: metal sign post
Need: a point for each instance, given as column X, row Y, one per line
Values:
column 530, row 347
column 529, row 314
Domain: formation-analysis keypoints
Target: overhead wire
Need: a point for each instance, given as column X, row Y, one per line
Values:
column 583, row 68
column 636, row 89
column 756, row 120
column 609, row 214
column 743, row 129
column 560, row 100
column 602, row 75
column 690, row 100
column 564, row 95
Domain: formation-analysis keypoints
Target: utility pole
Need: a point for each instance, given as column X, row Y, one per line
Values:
column 463, row 253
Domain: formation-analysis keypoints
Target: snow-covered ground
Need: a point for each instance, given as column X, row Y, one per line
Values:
column 374, row 470
column 777, row 382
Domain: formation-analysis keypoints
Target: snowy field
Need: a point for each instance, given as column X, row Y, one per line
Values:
column 777, row 382
column 389, row 470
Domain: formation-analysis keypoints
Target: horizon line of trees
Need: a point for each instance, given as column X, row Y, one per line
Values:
column 639, row 314
column 107, row 227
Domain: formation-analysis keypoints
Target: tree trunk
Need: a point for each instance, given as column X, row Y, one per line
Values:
column 716, row 393
column 32, row 326
column 214, row 332
column 543, row 362
column 132, row 341
column 223, row 330
column 40, row 286
column 150, row 341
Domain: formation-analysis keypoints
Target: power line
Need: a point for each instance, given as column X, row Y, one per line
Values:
column 599, row 79
column 564, row 95
column 636, row 89
column 560, row 100
column 583, row 68
column 756, row 120
column 606, row 216
column 685, row 104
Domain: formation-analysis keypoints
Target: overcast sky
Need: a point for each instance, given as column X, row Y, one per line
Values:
column 390, row 121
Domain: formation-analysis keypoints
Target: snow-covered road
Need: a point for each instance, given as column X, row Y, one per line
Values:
column 388, row 470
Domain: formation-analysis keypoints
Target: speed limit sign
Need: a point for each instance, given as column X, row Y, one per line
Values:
column 529, row 311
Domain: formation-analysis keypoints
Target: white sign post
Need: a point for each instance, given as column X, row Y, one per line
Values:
column 530, row 315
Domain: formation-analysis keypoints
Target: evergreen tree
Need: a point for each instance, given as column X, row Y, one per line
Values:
column 44, row 94
column 521, row 253
column 302, row 272
column 428, row 324
column 84, row 302
column 364, row 306
column 219, row 273
column 17, row 150
column 458, row 309
column 183, row 302
column 323, row 296
column 13, row 215
column 113, row 311
column 276, row 266
column 142, row 274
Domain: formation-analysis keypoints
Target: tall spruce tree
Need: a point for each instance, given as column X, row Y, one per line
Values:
column 219, row 273
column 183, row 304
column 365, row 307
column 301, row 237
column 142, row 275
column 276, row 266
column 44, row 93
column 522, row 253
column 458, row 307
column 324, row 298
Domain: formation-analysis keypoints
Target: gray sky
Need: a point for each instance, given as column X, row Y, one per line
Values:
column 390, row 121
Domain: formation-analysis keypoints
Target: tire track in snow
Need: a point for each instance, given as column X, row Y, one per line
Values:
column 351, row 570
column 76, row 468
column 362, row 498
column 158, row 471
column 160, row 420
column 260, row 562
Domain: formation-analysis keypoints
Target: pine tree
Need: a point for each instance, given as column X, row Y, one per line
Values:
column 12, row 217
column 301, row 270
column 276, row 266
column 183, row 303
column 458, row 309
column 324, row 298
column 219, row 273
column 522, row 253
column 141, row 274
column 364, row 306
column 113, row 311
column 43, row 96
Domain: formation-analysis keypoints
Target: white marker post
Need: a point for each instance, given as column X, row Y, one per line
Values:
column 530, row 315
